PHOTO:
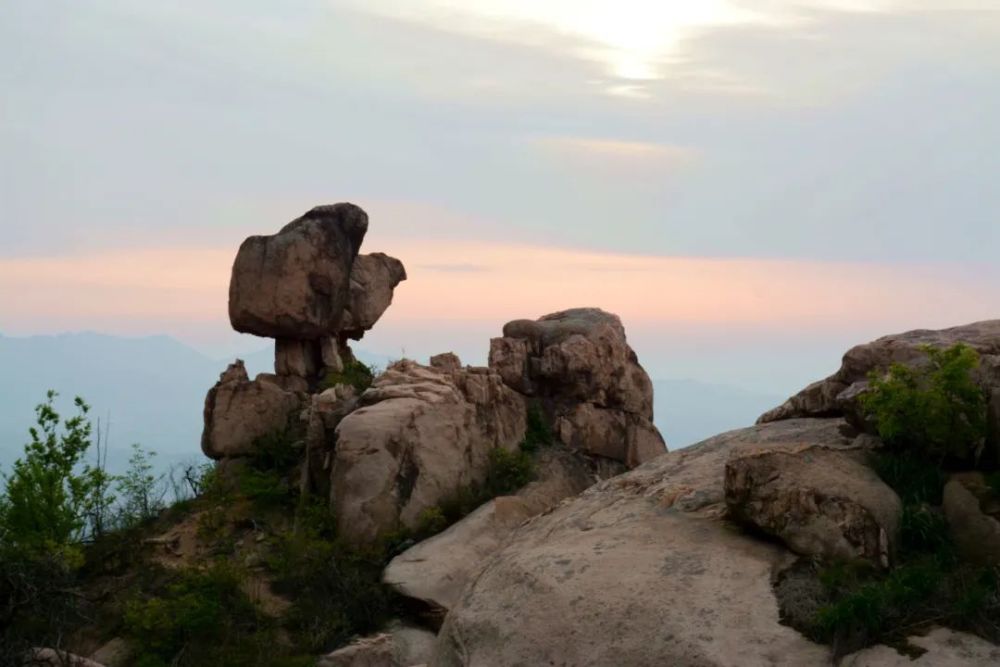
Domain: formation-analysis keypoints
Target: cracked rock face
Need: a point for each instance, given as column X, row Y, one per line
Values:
column 420, row 433
column 818, row 501
column 579, row 365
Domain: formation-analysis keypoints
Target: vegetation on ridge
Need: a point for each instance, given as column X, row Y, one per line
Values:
column 929, row 416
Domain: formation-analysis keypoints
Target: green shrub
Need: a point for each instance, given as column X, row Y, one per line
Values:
column 202, row 617
column 508, row 471
column 537, row 433
column 914, row 479
column 356, row 374
column 936, row 410
column 51, row 493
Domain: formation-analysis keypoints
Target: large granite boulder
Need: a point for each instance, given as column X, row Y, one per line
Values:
column 436, row 570
column 975, row 532
column 578, row 364
column 420, row 434
column 837, row 394
column 239, row 411
column 818, row 501
column 296, row 283
column 641, row 569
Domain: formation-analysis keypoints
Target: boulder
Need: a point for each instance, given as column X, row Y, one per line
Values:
column 419, row 435
column 975, row 533
column 641, row 569
column 436, row 570
column 399, row 646
column 296, row 283
column 578, row 364
column 837, row 394
column 50, row 657
column 943, row 648
column 115, row 653
column 373, row 279
column 238, row 411
column 819, row 502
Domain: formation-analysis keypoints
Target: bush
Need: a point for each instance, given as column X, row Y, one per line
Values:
column 537, row 433
column 202, row 617
column 356, row 374
column 936, row 411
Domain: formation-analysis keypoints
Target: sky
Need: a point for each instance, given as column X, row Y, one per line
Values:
column 752, row 186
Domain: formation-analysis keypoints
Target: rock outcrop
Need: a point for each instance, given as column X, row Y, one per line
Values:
column 239, row 411
column 420, row 433
column 837, row 394
column 975, row 533
column 640, row 570
column 399, row 646
column 436, row 570
column 307, row 287
column 579, row 366
column 818, row 501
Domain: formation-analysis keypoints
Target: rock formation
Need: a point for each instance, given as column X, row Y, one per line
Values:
column 419, row 435
column 308, row 288
column 579, row 366
column 837, row 394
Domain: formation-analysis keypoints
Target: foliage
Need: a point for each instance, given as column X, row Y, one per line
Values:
column 935, row 410
column 50, row 492
column 914, row 479
column 537, row 433
column 336, row 588
column 141, row 499
column 357, row 374
column 202, row 617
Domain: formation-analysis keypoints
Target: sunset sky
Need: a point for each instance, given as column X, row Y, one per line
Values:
column 752, row 186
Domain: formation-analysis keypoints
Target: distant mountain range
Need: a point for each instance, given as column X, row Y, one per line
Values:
column 153, row 390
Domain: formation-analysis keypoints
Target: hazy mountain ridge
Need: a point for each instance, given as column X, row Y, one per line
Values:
column 154, row 389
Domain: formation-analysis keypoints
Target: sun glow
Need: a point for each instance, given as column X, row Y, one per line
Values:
column 633, row 40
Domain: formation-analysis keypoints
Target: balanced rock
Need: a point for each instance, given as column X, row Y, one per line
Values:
column 436, row 570
column 837, row 394
column 818, row 501
column 578, row 364
column 373, row 279
column 419, row 435
column 296, row 283
column 239, row 411
column 641, row 570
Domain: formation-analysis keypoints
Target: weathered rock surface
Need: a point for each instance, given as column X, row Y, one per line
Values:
column 944, row 648
column 238, row 411
column 837, row 394
column 436, row 570
column 399, row 646
column 639, row 570
column 818, row 501
column 579, row 365
column 419, row 435
column 975, row 533
column 50, row 657
column 296, row 283
column 373, row 279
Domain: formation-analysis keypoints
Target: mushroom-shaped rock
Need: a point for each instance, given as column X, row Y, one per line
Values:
column 818, row 501
column 296, row 283
column 579, row 365
column 419, row 435
column 373, row 279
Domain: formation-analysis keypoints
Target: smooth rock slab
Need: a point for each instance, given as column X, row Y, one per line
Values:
column 639, row 570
